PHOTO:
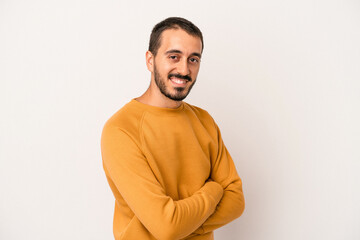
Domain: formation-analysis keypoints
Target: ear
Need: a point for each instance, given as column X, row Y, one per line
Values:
column 150, row 61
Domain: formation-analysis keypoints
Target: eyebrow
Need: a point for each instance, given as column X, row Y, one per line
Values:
column 178, row 51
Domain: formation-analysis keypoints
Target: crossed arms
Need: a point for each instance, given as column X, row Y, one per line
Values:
column 219, row 201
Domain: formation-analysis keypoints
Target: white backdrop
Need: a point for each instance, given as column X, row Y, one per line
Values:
column 281, row 78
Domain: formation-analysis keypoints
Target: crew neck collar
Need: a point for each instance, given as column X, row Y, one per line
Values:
column 155, row 109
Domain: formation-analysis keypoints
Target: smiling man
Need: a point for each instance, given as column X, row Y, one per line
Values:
column 164, row 159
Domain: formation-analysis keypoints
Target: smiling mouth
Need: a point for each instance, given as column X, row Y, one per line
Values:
column 178, row 80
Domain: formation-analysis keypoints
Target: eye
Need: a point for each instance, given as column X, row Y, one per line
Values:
column 194, row 60
column 173, row 57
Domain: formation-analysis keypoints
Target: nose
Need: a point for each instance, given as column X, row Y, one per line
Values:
column 183, row 68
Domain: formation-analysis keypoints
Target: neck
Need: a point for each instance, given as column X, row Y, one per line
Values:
column 154, row 97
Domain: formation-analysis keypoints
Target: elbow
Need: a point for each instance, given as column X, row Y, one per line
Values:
column 240, row 206
column 238, row 200
column 237, row 205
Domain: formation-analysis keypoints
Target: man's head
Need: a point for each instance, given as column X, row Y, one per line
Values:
column 172, row 23
column 174, row 57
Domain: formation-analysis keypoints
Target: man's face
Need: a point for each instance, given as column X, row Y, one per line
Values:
column 177, row 63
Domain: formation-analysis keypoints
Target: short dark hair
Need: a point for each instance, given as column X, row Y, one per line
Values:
column 172, row 23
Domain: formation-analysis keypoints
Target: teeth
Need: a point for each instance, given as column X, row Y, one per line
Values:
column 178, row 81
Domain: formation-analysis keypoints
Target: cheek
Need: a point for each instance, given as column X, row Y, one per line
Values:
column 166, row 68
column 195, row 71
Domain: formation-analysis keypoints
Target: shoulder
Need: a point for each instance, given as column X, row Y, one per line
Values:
column 198, row 111
column 202, row 114
column 127, row 119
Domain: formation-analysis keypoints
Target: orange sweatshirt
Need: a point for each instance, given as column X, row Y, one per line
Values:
column 170, row 173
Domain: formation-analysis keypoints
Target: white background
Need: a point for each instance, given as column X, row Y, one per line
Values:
column 281, row 78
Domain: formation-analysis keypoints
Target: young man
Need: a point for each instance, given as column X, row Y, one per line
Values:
column 164, row 159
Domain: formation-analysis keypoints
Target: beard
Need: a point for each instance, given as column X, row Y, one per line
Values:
column 180, row 92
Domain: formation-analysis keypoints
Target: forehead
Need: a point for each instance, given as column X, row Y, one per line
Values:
column 178, row 39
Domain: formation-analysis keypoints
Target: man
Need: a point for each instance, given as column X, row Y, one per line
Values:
column 164, row 159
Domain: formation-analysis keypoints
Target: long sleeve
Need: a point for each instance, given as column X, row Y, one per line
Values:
column 164, row 218
column 232, row 204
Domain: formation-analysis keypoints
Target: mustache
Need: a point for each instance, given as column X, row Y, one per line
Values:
column 186, row 77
